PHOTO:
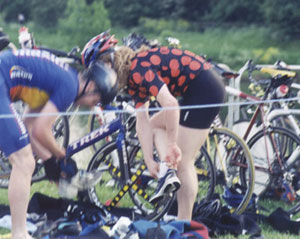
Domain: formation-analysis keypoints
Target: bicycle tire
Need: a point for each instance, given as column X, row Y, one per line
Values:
column 231, row 151
column 206, row 175
column 111, row 178
column 287, row 145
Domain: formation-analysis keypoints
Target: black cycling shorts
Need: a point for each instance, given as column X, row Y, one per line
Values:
column 206, row 88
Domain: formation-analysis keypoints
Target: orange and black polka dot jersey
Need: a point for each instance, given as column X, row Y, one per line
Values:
column 150, row 70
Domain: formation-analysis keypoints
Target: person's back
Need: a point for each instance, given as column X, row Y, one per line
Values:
column 175, row 67
column 35, row 77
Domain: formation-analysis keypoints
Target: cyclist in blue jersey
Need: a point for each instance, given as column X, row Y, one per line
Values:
column 47, row 86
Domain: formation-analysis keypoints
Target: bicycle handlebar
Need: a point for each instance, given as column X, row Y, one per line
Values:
column 284, row 66
column 71, row 54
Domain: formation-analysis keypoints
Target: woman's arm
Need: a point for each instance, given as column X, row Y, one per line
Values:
column 145, row 135
column 171, row 125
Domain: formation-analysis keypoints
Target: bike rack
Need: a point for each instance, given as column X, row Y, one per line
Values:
column 233, row 108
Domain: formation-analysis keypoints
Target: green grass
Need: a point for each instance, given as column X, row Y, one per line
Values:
column 51, row 190
column 43, row 187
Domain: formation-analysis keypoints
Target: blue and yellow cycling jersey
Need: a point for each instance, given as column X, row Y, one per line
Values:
column 36, row 76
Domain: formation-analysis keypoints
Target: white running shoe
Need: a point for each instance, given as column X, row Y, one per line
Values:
column 167, row 184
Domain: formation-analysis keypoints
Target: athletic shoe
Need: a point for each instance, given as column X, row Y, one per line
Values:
column 169, row 183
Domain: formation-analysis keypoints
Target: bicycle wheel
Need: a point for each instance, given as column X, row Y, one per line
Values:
column 234, row 168
column 206, row 175
column 140, row 190
column 276, row 154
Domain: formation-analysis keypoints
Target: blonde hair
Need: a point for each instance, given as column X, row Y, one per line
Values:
column 122, row 62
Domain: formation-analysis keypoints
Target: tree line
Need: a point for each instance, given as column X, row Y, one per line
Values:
column 282, row 16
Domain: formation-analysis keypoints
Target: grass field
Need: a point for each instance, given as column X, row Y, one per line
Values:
column 50, row 189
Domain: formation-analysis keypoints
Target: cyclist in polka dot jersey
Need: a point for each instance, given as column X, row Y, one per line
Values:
column 150, row 70
column 174, row 77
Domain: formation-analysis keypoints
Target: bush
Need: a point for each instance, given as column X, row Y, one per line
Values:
column 11, row 9
column 157, row 26
column 284, row 17
column 266, row 56
column 47, row 15
column 245, row 11
column 83, row 21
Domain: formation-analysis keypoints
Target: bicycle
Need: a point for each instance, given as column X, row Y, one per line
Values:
column 129, row 175
column 234, row 168
column 204, row 166
column 287, row 111
column 275, row 150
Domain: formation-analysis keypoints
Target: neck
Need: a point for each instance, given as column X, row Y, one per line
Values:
column 82, row 83
column 81, row 87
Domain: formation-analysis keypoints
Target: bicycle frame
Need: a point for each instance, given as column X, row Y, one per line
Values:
column 235, row 82
column 243, row 95
column 95, row 136
column 259, row 110
column 285, row 111
column 101, row 133
column 265, row 124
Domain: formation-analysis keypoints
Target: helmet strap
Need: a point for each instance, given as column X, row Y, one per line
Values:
column 84, row 74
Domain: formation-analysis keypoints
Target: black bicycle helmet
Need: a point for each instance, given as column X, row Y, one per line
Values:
column 105, row 79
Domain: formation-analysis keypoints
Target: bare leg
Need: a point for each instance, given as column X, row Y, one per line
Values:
column 19, row 190
column 160, row 140
column 159, row 134
column 37, row 148
column 189, row 140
